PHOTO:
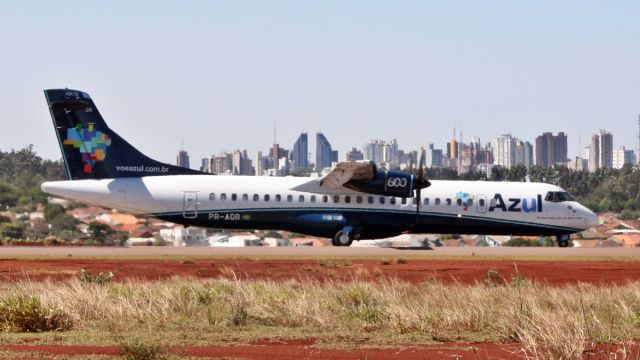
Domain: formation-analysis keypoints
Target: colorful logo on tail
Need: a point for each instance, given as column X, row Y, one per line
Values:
column 92, row 145
column 466, row 199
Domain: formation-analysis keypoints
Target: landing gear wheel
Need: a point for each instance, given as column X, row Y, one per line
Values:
column 342, row 238
column 563, row 241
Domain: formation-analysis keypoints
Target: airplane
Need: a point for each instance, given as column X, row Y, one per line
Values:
column 355, row 201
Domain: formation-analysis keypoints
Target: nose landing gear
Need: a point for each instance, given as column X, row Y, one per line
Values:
column 563, row 240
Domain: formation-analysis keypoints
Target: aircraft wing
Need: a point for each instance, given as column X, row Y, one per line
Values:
column 346, row 171
column 334, row 182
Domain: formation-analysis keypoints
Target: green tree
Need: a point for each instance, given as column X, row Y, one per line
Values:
column 63, row 222
column 12, row 230
column 52, row 210
column 99, row 232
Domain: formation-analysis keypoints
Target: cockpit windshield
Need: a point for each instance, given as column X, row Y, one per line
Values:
column 558, row 196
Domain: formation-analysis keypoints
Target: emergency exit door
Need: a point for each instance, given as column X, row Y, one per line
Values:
column 190, row 210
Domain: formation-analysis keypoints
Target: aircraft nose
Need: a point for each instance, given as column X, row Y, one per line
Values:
column 592, row 218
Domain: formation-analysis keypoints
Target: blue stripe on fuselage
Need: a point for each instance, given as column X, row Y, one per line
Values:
column 326, row 222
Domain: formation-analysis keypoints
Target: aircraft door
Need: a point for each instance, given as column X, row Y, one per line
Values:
column 481, row 203
column 190, row 210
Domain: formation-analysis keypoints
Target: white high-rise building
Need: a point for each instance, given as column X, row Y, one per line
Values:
column 504, row 151
column 623, row 156
column 601, row 151
column 380, row 152
column 524, row 153
column 374, row 151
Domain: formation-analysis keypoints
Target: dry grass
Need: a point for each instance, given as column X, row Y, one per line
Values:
column 549, row 322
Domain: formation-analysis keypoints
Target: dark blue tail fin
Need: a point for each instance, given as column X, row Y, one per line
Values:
column 93, row 151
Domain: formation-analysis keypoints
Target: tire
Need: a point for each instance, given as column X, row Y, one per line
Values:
column 563, row 240
column 342, row 239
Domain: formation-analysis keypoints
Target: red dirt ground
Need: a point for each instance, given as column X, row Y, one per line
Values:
column 555, row 273
column 415, row 271
column 295, row 350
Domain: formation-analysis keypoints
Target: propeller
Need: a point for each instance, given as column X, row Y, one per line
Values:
column 421, row 182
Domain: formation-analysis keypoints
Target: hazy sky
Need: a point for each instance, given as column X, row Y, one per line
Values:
column 221, row 74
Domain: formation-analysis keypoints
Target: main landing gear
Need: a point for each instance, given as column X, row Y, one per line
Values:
column 563, row 240
column 344, row 237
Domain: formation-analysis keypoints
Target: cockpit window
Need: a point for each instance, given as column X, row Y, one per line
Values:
column 558, row 196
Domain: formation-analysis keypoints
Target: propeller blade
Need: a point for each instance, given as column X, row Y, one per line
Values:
column 420, row 183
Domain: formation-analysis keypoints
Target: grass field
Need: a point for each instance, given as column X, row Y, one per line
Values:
column 548, row 322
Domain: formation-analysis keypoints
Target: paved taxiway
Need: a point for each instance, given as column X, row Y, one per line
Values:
column 317, row 251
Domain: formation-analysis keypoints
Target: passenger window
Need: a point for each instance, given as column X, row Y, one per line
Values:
column 381, row 199
column 301, row 198
column 470, row 202
column 459, row 202
column 392, row 201
column 359, row 199
column 426, row 201
column 212, row 197
column 313, row 198
column 347, row 199
column 481, row 202
column 245, row 197
column 404, row 201
column 370, row 199
column 437, row 201
column 278, row 197
column 325, row 199
column 256, row 197
column 289, row 198
column 234, row 197
column 223, row 197
column 266, row 197
column 448, row 202
column 336, row 199
column 415, row 201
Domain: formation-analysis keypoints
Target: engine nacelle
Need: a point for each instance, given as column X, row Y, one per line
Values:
column 388, row 183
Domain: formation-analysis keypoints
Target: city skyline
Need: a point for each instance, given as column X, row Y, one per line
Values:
column 221, row 74
column 505, row 150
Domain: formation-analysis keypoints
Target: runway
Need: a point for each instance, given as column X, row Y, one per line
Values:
column 355, row 252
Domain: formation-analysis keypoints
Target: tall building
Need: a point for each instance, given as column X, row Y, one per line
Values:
column 433, row 157
column 550, row 149
column 300, row 152
column 524, row 153
column 220, row 164
column 237, row 163
column 259, row 164
column 355, row 155
column 504, row 151
column 182, row 159
column 323, row 152
column 453, row 149
column 622, row 156
column 392, row 154
column 380, row 152
column 579, row 164
column 601, row 151
column 638, row 141
column 241, row 164
column 334, row 156
column 452, row 146
column 374, row 151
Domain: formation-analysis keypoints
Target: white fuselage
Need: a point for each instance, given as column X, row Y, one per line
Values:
column 270, row 203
